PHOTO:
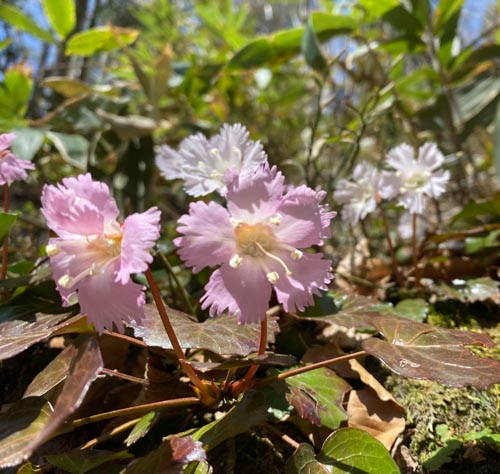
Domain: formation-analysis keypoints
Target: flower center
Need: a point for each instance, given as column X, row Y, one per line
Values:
column 96, row 255
column 416, row 181
column 254, row 240
column 258, row 241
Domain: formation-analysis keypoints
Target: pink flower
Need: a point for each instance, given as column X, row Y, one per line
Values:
column 94, row 255
column 202, row 163
column 11, row 167
column 418, row 179
column 256, row 243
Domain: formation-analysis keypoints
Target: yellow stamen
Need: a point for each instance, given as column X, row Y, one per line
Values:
column 276, row 220
column 52, row 250
column 273, row 277
column 296, row 254
column 235, row 261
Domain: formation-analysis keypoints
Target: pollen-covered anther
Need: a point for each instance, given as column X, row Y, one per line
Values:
column 52, row 250
column 65, row 281
column 276, row 219
column 273, row 277
column 235, row 222
column 235, row 261
column 296, row 254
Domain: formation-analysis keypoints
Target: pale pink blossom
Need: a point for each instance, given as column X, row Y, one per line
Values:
column 362, row 192
column 94, row 255
column 202, row 163
column 259, row 242
column 418, row 179
column 12, row 168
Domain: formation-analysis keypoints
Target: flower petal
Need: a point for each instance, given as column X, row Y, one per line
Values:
column 304, row 221
column 140, row 233
column 309, row 275
column 401, row 157
column 6, row 140
column 78, row 206
column 237, row 149
column 253, row 195
column 429, row 156
column 208, row 238
column 243, row 291
column 13, row 168
column 105, row 301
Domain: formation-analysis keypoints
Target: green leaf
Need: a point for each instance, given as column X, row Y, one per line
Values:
column 377, row 8
column 318, row 395
column 53, row 374
column 351, row 450
column 28, row 142
column 249, row 411
column 328, row 25
column 14, row 94
column 6, row 222
column 169, row 457
column 67, row 87
column 496, row 144
column 303, row 461
column 61, row 15
column 447, row 11
column 414, row 309
column 468, row 291
column 20, row 425
column 284, row 45
column 311, row 49
column 77, row 461
column 73, row 148
column 102, row 38
column 18, row 19
column 4, row 43
column 141, row 428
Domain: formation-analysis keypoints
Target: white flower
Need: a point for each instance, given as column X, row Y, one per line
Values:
column 203, row 163
column 361, row 194
column 418, row 178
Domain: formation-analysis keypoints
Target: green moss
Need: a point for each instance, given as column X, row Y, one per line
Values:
column 429, row 405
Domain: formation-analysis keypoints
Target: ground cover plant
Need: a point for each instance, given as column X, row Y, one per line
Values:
column 249, row 237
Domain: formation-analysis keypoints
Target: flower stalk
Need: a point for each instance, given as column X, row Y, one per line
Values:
column 242, row 385
column 5, row 247
column 169, row 329
column 308, row 368
column 390, row 245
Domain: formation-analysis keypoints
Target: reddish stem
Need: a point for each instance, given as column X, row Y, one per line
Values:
column 414, row 244
column 245, row 382
column 5, row 247
column 395, row 266
column 186, row 366
column 307, row 368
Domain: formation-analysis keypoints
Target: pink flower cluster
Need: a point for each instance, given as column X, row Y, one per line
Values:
column 11, row 167
column 260, row 241
column 94, row 255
